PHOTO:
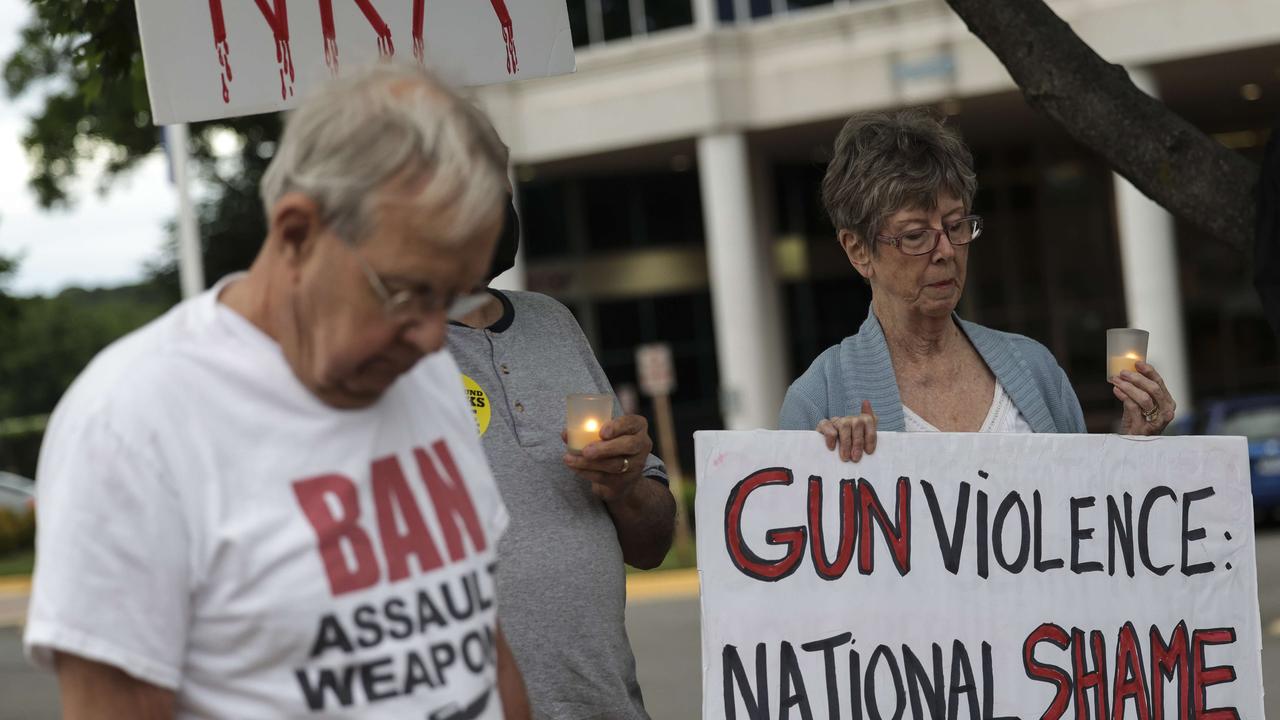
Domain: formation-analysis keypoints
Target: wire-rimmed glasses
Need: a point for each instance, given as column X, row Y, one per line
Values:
column 409, row 304
column 922, row 241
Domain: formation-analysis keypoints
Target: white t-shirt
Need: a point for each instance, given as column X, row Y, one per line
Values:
column 1002, row 417
column 209, row 526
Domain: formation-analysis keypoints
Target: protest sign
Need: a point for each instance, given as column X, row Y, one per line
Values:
column 224, row 58
column 977, row 576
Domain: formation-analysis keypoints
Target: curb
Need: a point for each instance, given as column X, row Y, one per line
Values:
column 662, row 585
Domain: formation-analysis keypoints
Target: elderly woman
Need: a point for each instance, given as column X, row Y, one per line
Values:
column 900, row 192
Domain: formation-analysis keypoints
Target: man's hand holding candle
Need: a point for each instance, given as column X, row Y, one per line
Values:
column 616, row 461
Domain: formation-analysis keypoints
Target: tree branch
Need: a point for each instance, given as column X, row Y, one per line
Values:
column 1163, row 155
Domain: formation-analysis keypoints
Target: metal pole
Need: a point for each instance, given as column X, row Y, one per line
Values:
column 671, row 457
column 190, row 263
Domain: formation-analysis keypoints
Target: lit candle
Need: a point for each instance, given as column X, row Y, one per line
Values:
column 584, row 416
column 1117, row 365
column 1126, row 347
column 583, row 436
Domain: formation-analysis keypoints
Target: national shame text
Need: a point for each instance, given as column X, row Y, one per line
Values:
column 941, row 684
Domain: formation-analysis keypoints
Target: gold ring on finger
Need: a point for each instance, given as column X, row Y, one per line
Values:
column 1150, row 415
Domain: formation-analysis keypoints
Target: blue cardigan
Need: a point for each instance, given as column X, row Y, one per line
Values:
column 859, row 368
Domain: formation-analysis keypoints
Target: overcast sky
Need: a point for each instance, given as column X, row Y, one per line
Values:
column 101, row 240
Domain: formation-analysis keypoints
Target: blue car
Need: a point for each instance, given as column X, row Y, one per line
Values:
column 1258, row 419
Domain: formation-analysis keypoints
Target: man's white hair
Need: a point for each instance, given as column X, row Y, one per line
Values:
column 389, row 122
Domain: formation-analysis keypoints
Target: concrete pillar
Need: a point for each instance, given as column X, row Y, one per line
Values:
column 704, row 15
column 1149, row 259
column 750, row 349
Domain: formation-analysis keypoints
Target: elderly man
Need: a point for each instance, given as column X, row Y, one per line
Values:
column 574, row 518
column 271, row 502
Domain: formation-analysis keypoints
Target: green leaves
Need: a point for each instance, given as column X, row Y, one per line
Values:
column 83, row 60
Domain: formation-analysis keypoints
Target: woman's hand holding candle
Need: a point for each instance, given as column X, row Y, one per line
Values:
column 1148, row 406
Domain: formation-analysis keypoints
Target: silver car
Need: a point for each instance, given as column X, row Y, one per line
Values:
column 16, row 492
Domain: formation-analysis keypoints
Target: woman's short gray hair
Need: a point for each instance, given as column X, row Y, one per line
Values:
column 389, row 122
column 887, row 161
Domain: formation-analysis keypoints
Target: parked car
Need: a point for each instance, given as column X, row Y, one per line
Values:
column 1257, row 418
column 16, row 492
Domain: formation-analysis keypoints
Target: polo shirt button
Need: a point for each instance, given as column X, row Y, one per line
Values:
column 519, row 407
column 505, row 370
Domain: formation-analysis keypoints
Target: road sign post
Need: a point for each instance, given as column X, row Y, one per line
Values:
column 656, row 373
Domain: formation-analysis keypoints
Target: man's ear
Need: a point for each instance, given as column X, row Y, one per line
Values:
column 295, row 227
column 858, row 252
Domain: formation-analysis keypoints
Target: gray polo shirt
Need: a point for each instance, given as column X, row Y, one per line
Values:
column 561, row 582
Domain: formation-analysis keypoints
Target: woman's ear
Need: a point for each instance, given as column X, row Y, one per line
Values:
column 858, row 252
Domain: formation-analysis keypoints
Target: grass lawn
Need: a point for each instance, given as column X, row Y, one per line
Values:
column 19, row 563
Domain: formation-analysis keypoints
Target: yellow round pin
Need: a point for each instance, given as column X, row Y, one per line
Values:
column 479, row 403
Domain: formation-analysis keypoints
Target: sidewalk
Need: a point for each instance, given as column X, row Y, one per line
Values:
column 13, row 600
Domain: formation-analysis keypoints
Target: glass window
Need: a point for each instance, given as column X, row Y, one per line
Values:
column 617, row 18
column 608, row 203
column 663, row 14
column 671, row 207
column 542, row 219
column 802, row 4
column 578, row 22
column 683, row 321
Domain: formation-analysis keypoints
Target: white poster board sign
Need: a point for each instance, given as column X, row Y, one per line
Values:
column 977, row 576
column 209, row 59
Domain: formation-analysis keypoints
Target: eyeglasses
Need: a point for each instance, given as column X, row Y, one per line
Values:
column 410, row 304
column 922, row 241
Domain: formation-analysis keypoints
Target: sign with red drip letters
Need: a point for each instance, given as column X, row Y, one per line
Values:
column 210, row 59
column 976, row 576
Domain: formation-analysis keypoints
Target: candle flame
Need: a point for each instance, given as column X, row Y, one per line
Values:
column 591, row 425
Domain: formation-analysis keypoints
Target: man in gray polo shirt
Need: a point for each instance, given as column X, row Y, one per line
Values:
column 574, row 519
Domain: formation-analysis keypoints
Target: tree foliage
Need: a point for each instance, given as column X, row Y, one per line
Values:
column 48, row 341
column 83, row 59
column 1163, row 155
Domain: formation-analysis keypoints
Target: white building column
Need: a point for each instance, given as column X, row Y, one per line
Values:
column 1149, row 258
column 745, row 302
column 704, row 15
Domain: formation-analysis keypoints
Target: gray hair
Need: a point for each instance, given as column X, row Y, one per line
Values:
column 390, row 122
column 887, row 161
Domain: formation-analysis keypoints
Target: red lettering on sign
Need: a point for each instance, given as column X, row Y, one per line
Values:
column 1130, row 680
column 386, row 48
column 220, row 46
column 419, row 17
column 1203, row 676
column 276, row 13
column 508, row 35
column 1044, row 672
column 277, row 16
column 332, row 530
column 1166, row 659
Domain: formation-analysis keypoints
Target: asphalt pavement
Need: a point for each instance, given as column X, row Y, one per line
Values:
column 664, row 630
